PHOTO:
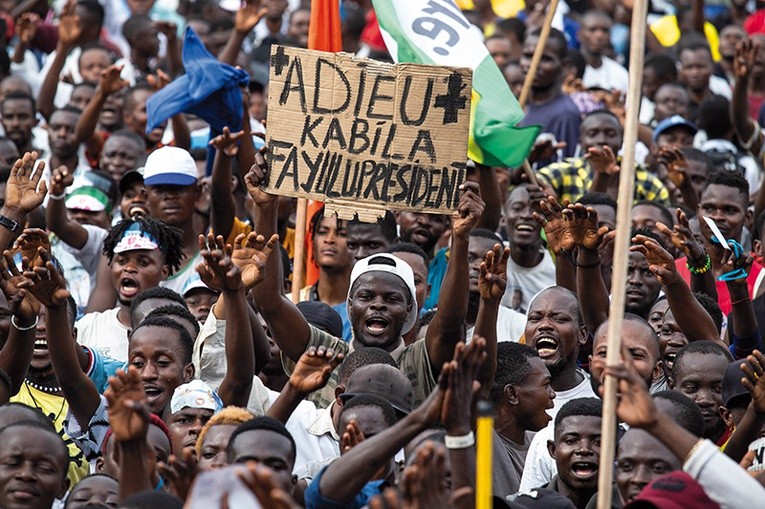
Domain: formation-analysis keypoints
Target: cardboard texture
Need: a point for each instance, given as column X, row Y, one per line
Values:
column 365, row 136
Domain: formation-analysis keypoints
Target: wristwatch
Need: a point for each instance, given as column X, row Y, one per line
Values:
column 12, row 225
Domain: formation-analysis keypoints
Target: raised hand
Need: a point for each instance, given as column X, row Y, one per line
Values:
column 351, row 437
column 111, row 81
column 545, row 149
column 251, row 256
column 29, row 243
column 553, row 221
column 492, row 275
column 179, row 473
column 26, row 27
column 60, row 179
column 572, row 84
column 314, row 368
column 168, row 29
column 682, row 238
column 248, row 15
column 255, row 178
column 615, row 103
column 677, row 166
column 754, row 381
column 469, row 210
column 746, row 56
column 21, row 192
column 582, row 223
column 21, row 303
column 602, row 160
column 128, row 408
column 159, row 81
column 45, row 282
column 461, row 385
column 227, row 143
column 69, row 27
column 218, row 271
column 660, row 262
column 742, row 263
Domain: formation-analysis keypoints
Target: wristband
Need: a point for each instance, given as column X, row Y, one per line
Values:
column 57, row 196
column 30, row 327
column 694, row 269
column 9, row 223
column 460, row 442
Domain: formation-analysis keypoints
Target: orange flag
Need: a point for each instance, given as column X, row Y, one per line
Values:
column 324, row 34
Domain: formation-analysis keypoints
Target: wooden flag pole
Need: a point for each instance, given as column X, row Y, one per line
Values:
column 621, row 252
column 535, row 59
column 298, row 263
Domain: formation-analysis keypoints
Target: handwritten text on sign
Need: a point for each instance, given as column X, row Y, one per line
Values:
column 359, row 133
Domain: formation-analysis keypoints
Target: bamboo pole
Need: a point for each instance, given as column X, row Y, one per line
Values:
column 621, row 252
column 298, row 264
column 535, row 59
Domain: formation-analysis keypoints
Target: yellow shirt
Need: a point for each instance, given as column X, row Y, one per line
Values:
column 503, row 8
column 56, row 408
column 239, row 226
column 667, row 32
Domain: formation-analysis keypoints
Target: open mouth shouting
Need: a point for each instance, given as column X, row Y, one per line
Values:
column 546, row 346
column 153, row 393
column 376, row 325
column 584, row 470
column 128, row 287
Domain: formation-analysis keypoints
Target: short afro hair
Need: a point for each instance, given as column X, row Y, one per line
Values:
column 705, row 347
column 265, row 423
column 408, row 247
column 187, row 342
column 589, row 407
column 686, row 413
column 171, row 310
column 363, row 357
column 513, row 366
column 730, row 179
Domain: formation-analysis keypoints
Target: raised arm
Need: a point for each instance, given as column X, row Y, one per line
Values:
column 582, row 225
column 603, row 163
column 677, row 171
column 23, row 193
column 490, row 193
column 691, row 317
column 69, row 31
column 67, row 357
column 103, row 297
column 109, row 83
column 492, row 281
column 445, row 330
column 742, row 323
column 222, row 206
column 682, row 238
column 56, row 217
column 219, row 273
column 748, row 430
column 26, row 29
column 748, row 134
column 173, row 50
column 129, row 420
column 17, row 351
column 248, row 15
column 311, row 373
column 287, row 324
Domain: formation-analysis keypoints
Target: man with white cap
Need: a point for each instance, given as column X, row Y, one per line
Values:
column 382, row 302
column 170, row 177
column 192, row 405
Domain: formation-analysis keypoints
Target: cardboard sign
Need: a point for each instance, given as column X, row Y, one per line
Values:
column 365, row 136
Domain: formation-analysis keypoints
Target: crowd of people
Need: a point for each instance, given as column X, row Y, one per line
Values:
column 145, row 313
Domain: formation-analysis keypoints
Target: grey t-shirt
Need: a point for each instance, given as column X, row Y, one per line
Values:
column 508, row 460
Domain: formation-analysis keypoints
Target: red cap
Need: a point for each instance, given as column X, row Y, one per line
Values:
column 676, row 490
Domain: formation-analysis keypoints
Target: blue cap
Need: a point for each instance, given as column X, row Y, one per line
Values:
column 673, row 121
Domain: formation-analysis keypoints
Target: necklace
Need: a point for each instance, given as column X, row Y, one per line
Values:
column 42, row 388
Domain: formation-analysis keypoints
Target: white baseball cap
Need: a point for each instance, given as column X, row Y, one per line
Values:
column 384, row 262
column 170, row 166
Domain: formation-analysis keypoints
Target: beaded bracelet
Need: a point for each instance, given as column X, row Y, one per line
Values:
column 700, row 270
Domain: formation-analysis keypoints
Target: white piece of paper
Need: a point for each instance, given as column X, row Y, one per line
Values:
column 717, row 233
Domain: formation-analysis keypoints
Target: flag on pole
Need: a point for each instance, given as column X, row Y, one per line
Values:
column 436, row 32
column 324, row 34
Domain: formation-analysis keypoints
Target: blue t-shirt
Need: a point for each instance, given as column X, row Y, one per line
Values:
column 315, row 500
column 101, row 368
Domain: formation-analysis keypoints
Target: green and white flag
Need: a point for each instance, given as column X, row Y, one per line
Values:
column 436, row 32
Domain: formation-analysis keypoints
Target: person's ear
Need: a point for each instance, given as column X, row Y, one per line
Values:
column 756, row 246
column 670, row 381
column 188, row 372
column 100, row 464
column 340, row 389
column 584, row 336
column 727, row 417
column 427, row 293
column 551, row 448
column 657, row 370
column 748, row 217
column 510, row 394
column 165, row 271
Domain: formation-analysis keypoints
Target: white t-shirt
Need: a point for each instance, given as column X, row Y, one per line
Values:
column 523, row 283
column 102, row 331
column 540, row 467
column 720, row 86
column 610, row 75
column 188, row 270
column 510, row 325
column 90, row 254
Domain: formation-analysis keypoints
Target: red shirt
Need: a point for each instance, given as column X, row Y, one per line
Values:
column 723, row 297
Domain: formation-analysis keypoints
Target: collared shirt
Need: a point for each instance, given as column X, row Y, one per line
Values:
column 318, row 443
column 412, row 360
column 572, row 178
